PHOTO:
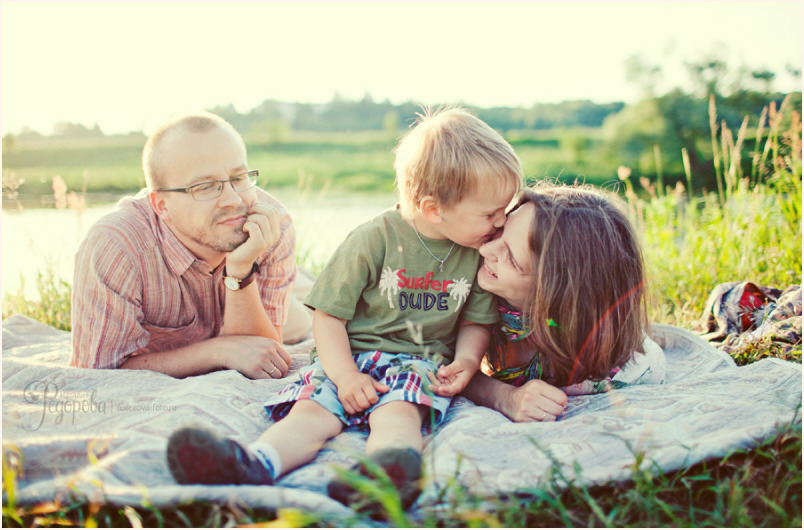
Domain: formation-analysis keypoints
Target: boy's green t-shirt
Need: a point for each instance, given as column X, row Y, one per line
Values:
column 389, row 289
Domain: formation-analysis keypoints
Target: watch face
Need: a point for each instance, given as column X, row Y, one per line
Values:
column 231, row 283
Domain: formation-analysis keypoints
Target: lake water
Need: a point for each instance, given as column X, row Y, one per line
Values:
column 36, row 239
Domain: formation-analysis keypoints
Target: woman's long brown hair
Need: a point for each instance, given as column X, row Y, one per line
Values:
column 588, row 278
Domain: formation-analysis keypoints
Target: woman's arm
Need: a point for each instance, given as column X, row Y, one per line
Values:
column 533, row 401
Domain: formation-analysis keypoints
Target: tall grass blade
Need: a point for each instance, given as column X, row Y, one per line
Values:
column 716, row 153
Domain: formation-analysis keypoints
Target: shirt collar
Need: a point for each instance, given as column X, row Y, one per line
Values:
column 177, row 257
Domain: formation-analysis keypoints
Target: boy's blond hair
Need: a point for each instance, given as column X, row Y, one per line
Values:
column 152, row 163
column 448, row 155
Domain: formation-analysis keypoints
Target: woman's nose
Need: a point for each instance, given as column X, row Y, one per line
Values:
column 487, row 249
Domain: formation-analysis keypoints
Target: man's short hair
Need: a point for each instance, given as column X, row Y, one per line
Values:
column 448, row 155
column 152, row 153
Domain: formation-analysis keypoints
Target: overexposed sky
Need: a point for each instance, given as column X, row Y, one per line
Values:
column 128, row 66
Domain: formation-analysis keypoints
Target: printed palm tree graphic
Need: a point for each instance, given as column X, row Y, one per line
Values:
column 459, row 290
column 388, row 283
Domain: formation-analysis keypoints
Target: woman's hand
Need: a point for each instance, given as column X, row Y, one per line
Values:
column 535, row 401
column 359, row 392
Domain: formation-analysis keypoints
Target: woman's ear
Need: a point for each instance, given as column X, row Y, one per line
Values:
column 430, row 209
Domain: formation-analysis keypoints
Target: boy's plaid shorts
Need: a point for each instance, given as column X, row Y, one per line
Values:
column 405, row 374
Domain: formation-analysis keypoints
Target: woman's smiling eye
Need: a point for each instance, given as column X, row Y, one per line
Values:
column 510, row 258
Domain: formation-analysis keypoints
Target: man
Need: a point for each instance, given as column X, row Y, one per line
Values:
column 195, row 273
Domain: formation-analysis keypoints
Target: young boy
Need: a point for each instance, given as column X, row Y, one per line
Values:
column 397, row 303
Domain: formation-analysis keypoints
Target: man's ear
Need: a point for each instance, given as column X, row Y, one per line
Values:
column 158, row 204
column 430, row 209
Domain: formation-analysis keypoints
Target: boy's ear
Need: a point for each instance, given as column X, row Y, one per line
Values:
column 158, row 204
column 430, row 209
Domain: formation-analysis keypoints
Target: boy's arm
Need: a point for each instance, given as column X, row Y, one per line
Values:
column 356, row 391
column 470, row 346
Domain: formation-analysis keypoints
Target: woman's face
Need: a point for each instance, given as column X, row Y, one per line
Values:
column 507, row 260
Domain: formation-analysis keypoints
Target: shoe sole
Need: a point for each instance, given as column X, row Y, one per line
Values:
column 195, row 456
column 403, row 468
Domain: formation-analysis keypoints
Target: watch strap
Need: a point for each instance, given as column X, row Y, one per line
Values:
column 250, row 277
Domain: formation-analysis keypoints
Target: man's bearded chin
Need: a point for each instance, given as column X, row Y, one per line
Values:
column 220, row 244
column 238, row 238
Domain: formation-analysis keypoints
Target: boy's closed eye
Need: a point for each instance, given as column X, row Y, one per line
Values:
column 494, row 213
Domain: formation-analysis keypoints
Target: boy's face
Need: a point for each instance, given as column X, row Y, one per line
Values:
column 478, row 217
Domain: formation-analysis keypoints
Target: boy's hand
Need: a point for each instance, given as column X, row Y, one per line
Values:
column 454, row 377
column 359, row 392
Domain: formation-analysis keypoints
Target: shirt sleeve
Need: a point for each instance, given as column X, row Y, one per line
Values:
column 278, row 270
column 481, row 306
column 340, row 285
column 106, row 304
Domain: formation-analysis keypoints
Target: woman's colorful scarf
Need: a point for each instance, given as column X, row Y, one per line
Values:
column 514, row 330
column 511, row 323
column 519, row 375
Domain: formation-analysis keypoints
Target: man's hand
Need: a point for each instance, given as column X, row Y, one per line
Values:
column 358, row 391
column 535, row 401
column 263, row 229
column 257, row 357
column 453, row 378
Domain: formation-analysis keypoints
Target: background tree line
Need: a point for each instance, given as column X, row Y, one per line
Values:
column 344, row 115
column 573, row 139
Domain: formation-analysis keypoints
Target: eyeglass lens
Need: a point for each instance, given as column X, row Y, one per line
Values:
column 212, row 190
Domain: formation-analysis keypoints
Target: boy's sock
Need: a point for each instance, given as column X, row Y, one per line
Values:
column 267, row 456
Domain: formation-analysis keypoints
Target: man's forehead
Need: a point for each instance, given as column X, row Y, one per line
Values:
column 183, row 137
column 193, row 156
column 202, row 176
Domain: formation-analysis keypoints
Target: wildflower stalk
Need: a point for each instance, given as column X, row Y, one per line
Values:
column 715, row 151
column 685, row 158
column 657, row 154
column 755, row 155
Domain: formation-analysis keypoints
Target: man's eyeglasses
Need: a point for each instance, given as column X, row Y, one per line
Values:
column 212, row 189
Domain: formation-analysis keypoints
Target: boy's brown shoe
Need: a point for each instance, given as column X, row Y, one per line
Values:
column 404, row 469
column 196, row 455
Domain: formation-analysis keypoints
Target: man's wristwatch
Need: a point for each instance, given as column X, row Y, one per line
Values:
column 235, row 284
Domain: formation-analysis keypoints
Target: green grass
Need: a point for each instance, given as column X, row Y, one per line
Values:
column 757, row 488
column 345, row 161
column 753, row 222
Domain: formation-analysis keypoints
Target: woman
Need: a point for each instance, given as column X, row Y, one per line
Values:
column 569, row 273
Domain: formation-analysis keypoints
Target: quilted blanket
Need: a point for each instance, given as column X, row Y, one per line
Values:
column 102, row 434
